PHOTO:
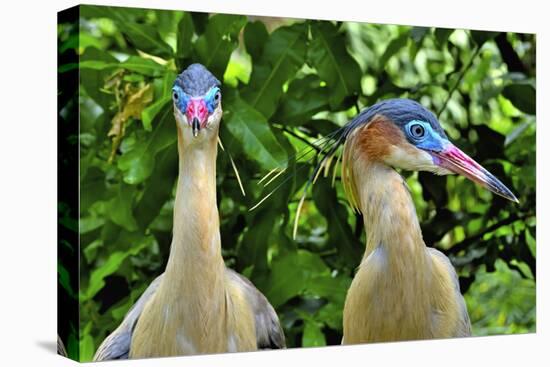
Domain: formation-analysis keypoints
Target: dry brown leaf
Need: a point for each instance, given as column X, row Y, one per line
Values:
column 136, row 100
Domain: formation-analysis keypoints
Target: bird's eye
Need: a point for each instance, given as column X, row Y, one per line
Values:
column 175, row 95
column 417, row 131
column 217, row 96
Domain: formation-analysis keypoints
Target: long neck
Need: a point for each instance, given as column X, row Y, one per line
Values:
column 195, row 265
column 389, row 298
column 389, row 215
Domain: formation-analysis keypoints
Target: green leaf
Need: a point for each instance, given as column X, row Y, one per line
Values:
column 256, row 239
column 133, row 63
column 163, row 95
column 92, row 188
column 186, row 30
column 284, row 53
column 255, row 38
column 442, row 35
column 251, row 129
column 304, row 98
column 332, row 288
column 64, row 278
column 393, row 47
column 292, row 273
column 143, row 66
column 158, row 188
column 522, row 96
column 87, row 348
column 313, row 335
column 149, row 113
column 141, row 35
column 93, row 80
column 215, row 46
column 119, row 208
column 480, row 37
column 340, row 232
column 138, row 163
column 90, row 251
column 418, row 33
column 110, row 266
column 328, row 54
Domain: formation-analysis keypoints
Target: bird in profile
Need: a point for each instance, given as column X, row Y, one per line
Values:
column 198, row 305
column 402, row 290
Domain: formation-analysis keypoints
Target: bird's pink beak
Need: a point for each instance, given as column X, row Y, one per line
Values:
column 455, row 160
column 197, row 114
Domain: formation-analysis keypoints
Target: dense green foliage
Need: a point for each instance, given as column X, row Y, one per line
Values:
column 286, row 84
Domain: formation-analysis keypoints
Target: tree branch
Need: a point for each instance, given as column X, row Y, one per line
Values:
column 463, row 245
column 458, row 81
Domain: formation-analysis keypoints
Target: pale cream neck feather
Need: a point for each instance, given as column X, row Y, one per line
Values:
column 388, row 299
column 188, row 314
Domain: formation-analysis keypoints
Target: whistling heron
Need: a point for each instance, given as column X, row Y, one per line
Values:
column 402, row 289
column 198, row 305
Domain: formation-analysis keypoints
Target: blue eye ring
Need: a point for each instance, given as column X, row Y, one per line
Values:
column 212, row 99
column 179, row 98
column 417, row 130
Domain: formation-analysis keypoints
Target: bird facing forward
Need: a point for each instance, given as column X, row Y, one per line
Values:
column 198, row 305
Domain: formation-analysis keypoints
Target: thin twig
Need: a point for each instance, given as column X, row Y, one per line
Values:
column 290, row 132
column 458, row 81
column 463, row 245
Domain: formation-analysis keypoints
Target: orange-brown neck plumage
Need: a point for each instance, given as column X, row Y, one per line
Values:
column 403, row 290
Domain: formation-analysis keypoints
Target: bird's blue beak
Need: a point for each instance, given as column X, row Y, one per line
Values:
column 455, row 160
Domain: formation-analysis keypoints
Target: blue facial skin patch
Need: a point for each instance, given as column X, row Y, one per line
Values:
column 210, row 99
column 429, row 141
column 182, row 98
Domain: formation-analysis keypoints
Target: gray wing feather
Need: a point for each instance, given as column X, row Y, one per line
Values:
column 117, row 344
column 465, row 327
column 269, row 334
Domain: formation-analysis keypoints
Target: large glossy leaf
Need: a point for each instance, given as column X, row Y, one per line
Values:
column 291, row 275
column 142, row 36
column 138, row 163
column 158, row 187
column 253, row 252
column 304, row 98
column 328, row 54
column 186, row 30
column 133, row 63
column 442, row 35
column 255, row 37
column 480, row 37
column 92, row 188
column 163, row 97
column 522, row 96
column 284, row 53
column 219, row 40
column 251, row 129
column 313, row 335
column 340, row 233
column 393, row 47
column 119, row 208
column 93, row 79
column 111, row 265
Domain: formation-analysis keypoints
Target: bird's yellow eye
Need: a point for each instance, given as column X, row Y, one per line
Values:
column 417, row 131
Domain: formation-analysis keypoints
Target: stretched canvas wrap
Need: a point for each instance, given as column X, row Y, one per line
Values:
column 231, row 183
